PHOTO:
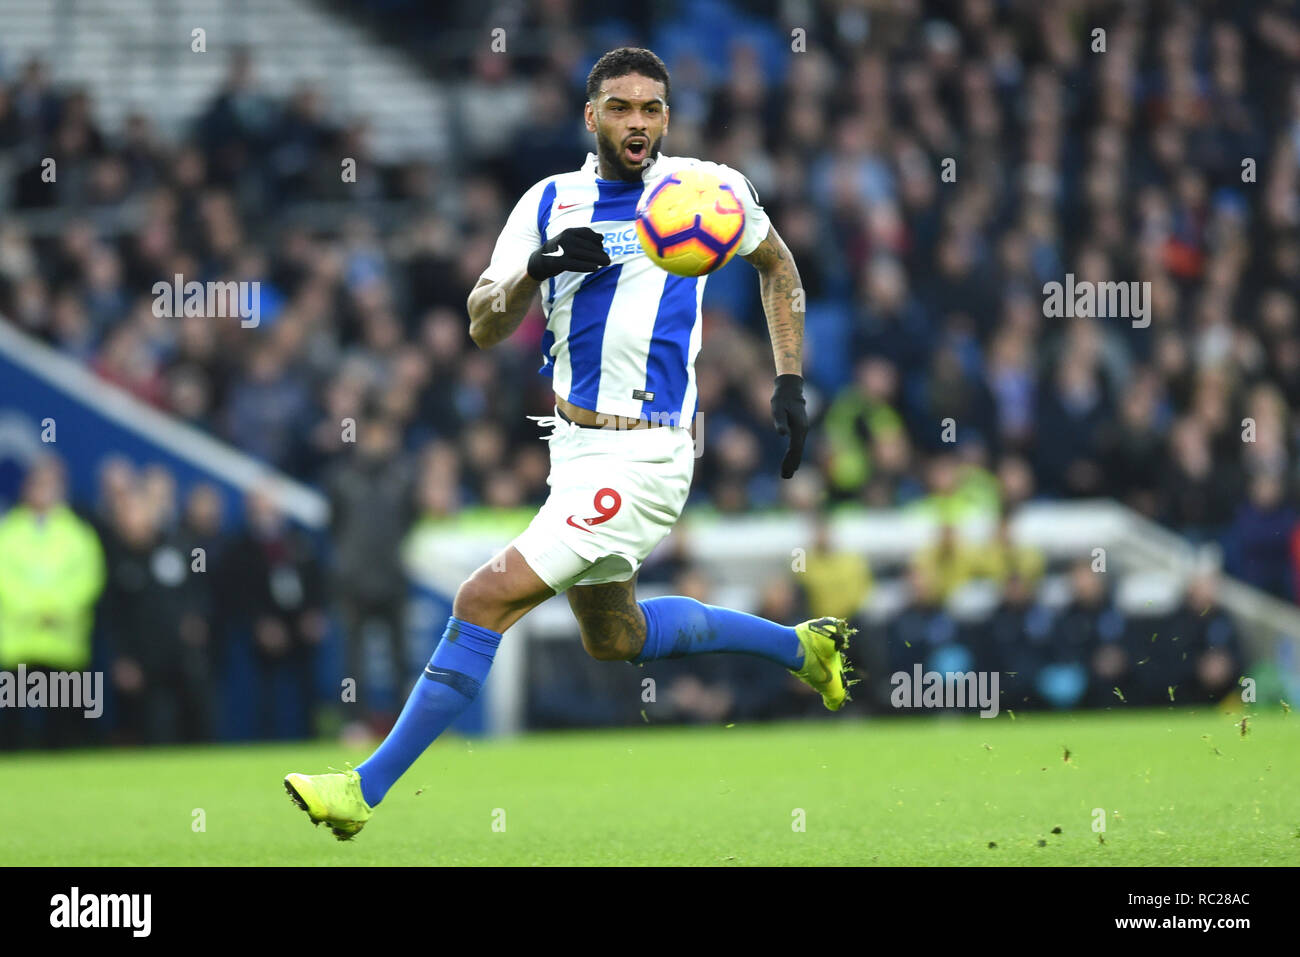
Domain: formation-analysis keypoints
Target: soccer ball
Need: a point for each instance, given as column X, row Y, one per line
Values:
column 690, row 223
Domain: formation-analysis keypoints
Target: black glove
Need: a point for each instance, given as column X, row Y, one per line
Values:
column 791, row 419
column 578, row 249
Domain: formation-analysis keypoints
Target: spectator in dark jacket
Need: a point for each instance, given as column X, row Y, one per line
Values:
column 372, row 497
column 1192, row 655
column 1213, row 640
column 1071, row 410
column 1011, row 642
column 1198, row 491
column 1260, row 537
column 237, row 124
column 1087, row 637
column 275, row 585
column 892, row 325
column 160, row 644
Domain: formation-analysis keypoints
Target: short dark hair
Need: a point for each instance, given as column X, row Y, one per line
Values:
column 623, row 61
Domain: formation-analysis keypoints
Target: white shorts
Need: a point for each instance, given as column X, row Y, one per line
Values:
column 614, row 496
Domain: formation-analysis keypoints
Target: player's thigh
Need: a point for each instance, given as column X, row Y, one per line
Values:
column 500, row 592
column 611, row 622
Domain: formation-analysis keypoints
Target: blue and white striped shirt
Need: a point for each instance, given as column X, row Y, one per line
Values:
column 621, row 340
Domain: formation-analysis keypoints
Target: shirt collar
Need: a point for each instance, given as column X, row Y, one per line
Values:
column 592, row 165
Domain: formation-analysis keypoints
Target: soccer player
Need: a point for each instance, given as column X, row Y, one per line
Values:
column 620, row 346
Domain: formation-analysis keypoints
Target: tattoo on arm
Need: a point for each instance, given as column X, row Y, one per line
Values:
column 769, row 252
column 783, row 301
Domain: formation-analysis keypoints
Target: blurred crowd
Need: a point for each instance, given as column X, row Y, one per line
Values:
column 1083, row 648
column 1169, row 157
column 147, row 587
column 1087, row 651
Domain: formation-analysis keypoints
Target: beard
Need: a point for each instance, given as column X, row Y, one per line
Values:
column 611, row 155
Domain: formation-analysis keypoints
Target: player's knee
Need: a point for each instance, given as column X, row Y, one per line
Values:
column 478, row 602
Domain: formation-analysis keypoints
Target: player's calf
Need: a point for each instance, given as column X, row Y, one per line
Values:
column 611, row 645
column 612, row 625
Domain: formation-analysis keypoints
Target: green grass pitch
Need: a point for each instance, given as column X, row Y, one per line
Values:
column 1177, row 787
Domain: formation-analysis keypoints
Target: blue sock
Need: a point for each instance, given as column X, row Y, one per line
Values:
column 676, row 627
column 448, row 685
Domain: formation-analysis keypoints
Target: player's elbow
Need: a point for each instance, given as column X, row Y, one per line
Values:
column 478, row 331
column 480, row 336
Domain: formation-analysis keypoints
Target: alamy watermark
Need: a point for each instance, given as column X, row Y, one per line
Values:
column 225, row 300
column 77, row 910
column 949, row 689
column 1085, row 299
column 655, row 419
column 53, row 689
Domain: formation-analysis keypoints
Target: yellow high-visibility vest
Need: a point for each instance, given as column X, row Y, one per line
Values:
column 51, row 574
